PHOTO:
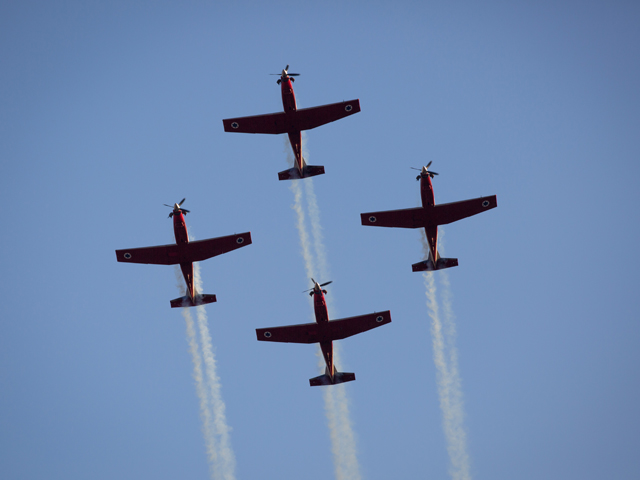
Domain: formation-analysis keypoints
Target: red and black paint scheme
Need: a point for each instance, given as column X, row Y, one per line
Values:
column 429, row 216
column 185, row 253
column 292, row 121
column 324, row 332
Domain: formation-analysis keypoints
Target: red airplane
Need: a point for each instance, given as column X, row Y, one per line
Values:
column 185, row 253
column 292, row 121
column 429, row 216
column 324, row 332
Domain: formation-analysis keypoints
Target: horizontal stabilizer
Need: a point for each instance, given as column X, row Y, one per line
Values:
column 307, row 171
column 201, row 299
column 338, row 377
column 427, row 265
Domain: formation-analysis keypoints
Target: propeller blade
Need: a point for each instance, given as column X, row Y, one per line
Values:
column 286, row 69
column 293, row 74
column 182, row 201
column 330, row 281
column 433, row 173
column 184, row 210
column 429, row 164
column 414, row 168
column 170, row 206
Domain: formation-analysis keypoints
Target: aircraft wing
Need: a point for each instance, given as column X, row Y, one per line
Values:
column 273, row 123
column 406, row 218
column 452, row 212
column 308, row 118
column 303, row 119
column 304, row 333
column 325, row 332
column 185, row 253
column 436, row 215
column 346, row 327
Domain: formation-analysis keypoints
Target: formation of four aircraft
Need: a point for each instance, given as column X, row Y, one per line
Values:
column 324, row 331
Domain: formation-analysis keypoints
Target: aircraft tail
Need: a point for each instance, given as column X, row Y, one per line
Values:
column 307, row 171
column 186, row 301
column 427, row 265
column 338, row 377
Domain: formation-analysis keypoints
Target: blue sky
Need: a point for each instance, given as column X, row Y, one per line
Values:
column 111, row 109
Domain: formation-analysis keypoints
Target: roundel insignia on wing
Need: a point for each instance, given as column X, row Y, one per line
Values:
column 372, row 219
column 379, row 318
column 239, row 240
column 267, row 334
column 235, row 124
column 127, row 255
column 348, row 108
column 485, row 203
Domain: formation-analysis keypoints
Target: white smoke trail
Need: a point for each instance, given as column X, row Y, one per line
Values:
column 321, row 266
column 448, row 377
column 449, row 316
column 201, row 391
column 301, row 227
column 224, row 468
column 336, row 401
column 316, row 230
column 343, row 445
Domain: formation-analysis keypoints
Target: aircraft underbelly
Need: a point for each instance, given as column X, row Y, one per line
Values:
column 187, row 273
column 327, row 353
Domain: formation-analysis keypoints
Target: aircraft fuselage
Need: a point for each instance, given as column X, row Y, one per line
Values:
column 182, row 236
column 428, row 200
column 288, row 97
column 290, row 106
column 322, row 317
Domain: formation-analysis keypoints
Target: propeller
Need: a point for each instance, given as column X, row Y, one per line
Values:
column 319, row 285
column 176, row 208
column 285, row 73
column 425, row 171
